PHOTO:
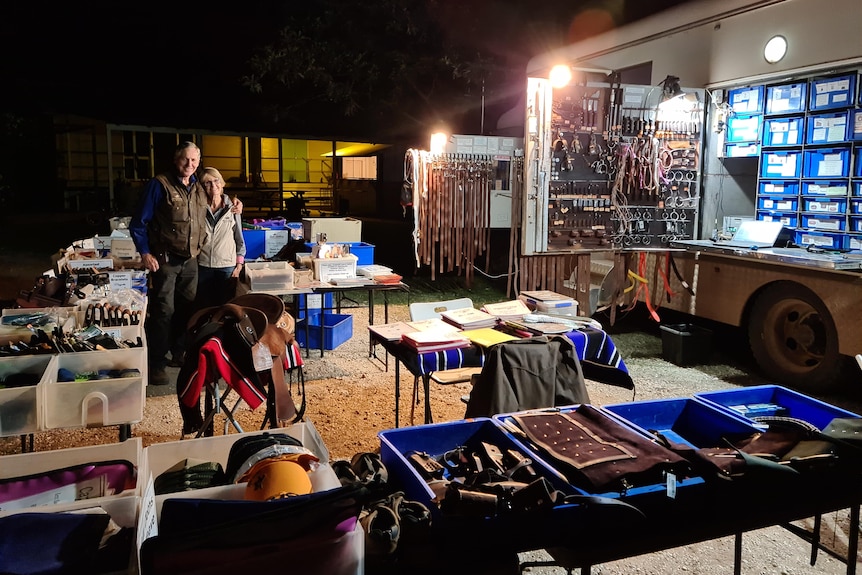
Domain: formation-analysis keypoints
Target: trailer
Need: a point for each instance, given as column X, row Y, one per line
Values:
column 648, row 144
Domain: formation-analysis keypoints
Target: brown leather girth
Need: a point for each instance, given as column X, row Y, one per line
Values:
column 285, row 409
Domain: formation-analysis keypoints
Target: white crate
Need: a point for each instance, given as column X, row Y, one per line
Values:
column 24, row 464
column 335, row 268
column 268, row 276
column 97, row 402
column 21, row 407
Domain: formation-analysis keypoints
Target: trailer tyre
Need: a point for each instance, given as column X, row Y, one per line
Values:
column 793, row 338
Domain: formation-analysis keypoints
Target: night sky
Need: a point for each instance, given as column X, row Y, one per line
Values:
column 135, row 64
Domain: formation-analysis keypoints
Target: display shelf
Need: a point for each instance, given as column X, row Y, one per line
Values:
column 811, row 159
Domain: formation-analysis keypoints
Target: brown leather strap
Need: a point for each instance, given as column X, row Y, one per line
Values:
column 285, row 409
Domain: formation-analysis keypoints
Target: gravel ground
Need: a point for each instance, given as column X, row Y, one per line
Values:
column 350, row 399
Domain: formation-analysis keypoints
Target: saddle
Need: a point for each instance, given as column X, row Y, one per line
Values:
column 257, row 336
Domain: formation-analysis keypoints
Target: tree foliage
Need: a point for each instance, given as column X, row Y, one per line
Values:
column 389, row 66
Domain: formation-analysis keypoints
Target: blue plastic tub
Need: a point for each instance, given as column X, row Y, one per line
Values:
column 334, row 328
column 774, row 400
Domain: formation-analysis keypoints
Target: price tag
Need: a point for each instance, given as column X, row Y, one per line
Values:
column 120, row 281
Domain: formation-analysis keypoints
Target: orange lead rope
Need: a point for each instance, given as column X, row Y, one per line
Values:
column 645, row 286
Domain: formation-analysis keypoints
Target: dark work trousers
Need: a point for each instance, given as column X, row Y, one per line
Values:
column 215, row 287
column 169, row 307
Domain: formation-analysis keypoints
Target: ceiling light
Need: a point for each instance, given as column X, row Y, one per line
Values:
column 775, row 49
column 560, row 76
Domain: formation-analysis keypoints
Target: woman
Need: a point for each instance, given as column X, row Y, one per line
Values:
column 223, row 251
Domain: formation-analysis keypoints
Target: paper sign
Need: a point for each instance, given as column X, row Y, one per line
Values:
column 120, row 281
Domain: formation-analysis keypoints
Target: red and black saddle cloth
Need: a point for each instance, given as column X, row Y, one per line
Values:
column 248, row 348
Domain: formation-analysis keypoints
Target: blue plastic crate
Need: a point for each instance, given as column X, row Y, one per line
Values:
column 334, row 328
column 836, row 188
column 437, row 439
column 747, row 100
column 833, row 92
column 827, row 128
column 857, row 186
column 741, row 150
column 857, row 172
column 854, row 243
column 825, row 240
column 827, row 163
column 823, row 222
column 786, row 98
column 856, row 224
column 313, row 304
column 783, row 131
column 778, row 188
column 781, row 164
column 743, row 128
column 362, row 250
column 778, row 203
column 774, row 400
column 854, row 130
column 683, row 420
column 787, row 219
column 821, row 205
column 856, row 206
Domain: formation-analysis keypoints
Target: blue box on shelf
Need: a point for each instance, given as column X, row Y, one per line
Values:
column 857, row 172
column 333, row 328
column 683, row 420
column 787, row 219
column 856, row 206
column 781, row 164
column 778, row 203
column 827, row 163
column 856, row 224
column 825, row 240
column 743, row 128
column 774, row 400
column 783, row 131
column 837, row 188
column 786, row 98
column 362, row 250
column 747, row 100
column 854, row 131
column 827, row 128
column 741, row 150
column 833, row 92
column 824, row 223
column 821, row 205
column 778, row 188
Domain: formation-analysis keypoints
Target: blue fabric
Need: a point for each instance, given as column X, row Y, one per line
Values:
column 50, row 543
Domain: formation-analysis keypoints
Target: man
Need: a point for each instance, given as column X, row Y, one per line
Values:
column 168, row 230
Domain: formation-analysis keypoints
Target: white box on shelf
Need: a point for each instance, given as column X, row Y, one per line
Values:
column 97, row 402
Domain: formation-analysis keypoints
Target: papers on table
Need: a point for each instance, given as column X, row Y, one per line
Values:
column 468, row 318
column 514, row 309
column 433, row 340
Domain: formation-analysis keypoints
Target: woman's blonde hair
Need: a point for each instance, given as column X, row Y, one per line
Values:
column 213, row 173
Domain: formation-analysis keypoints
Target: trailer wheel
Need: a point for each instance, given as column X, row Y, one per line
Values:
column 793, row 338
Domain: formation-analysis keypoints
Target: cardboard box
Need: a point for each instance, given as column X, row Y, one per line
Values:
column 335, row 268
column 336, row 229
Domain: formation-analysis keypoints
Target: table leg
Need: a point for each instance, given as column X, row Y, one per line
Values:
column 737, row 554
column 397, row 389
column 853, row 543
column 426, row 383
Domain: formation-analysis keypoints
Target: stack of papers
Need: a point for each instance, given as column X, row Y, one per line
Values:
column 391, row 331
column 434, row 340
column 514, row 309
column 372, row 270
column 468, row 318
